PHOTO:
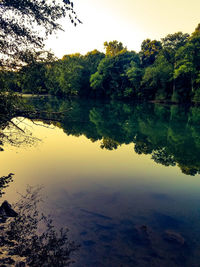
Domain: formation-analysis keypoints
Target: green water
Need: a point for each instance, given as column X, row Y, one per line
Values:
column 119, row 175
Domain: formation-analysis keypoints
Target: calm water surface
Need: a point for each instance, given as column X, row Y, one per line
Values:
column 122, row 177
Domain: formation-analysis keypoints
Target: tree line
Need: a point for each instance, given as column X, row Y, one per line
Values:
column 166, row 70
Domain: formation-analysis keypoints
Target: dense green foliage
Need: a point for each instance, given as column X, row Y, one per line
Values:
column 111, row 78
column 166, row 70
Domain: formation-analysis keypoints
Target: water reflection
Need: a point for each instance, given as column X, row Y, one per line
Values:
column 171, row 134
column 28, row 237
column 16, row 133
column 122, row 208
column 4, row 182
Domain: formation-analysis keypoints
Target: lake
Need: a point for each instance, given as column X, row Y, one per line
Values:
column 123, row 177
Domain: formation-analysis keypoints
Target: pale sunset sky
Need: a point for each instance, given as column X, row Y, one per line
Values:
column 128, row 21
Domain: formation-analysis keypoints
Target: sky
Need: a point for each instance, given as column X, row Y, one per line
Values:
column 127, row 21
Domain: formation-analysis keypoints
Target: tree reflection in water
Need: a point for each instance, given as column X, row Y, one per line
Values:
column 169, row 133
column 30, row 238
column 15, row 135
column 4, row 182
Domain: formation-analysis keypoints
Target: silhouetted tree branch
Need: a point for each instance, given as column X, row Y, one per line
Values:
column 25, row 24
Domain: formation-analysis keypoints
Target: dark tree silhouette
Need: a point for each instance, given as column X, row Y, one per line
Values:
column 30, row 239
column 25, row 24
column 4, row 182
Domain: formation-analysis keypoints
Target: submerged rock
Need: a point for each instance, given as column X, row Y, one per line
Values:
column 144, row 233
column 174, row 237
column 6, row 211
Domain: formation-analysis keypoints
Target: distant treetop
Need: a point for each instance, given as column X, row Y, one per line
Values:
column 113, row 48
